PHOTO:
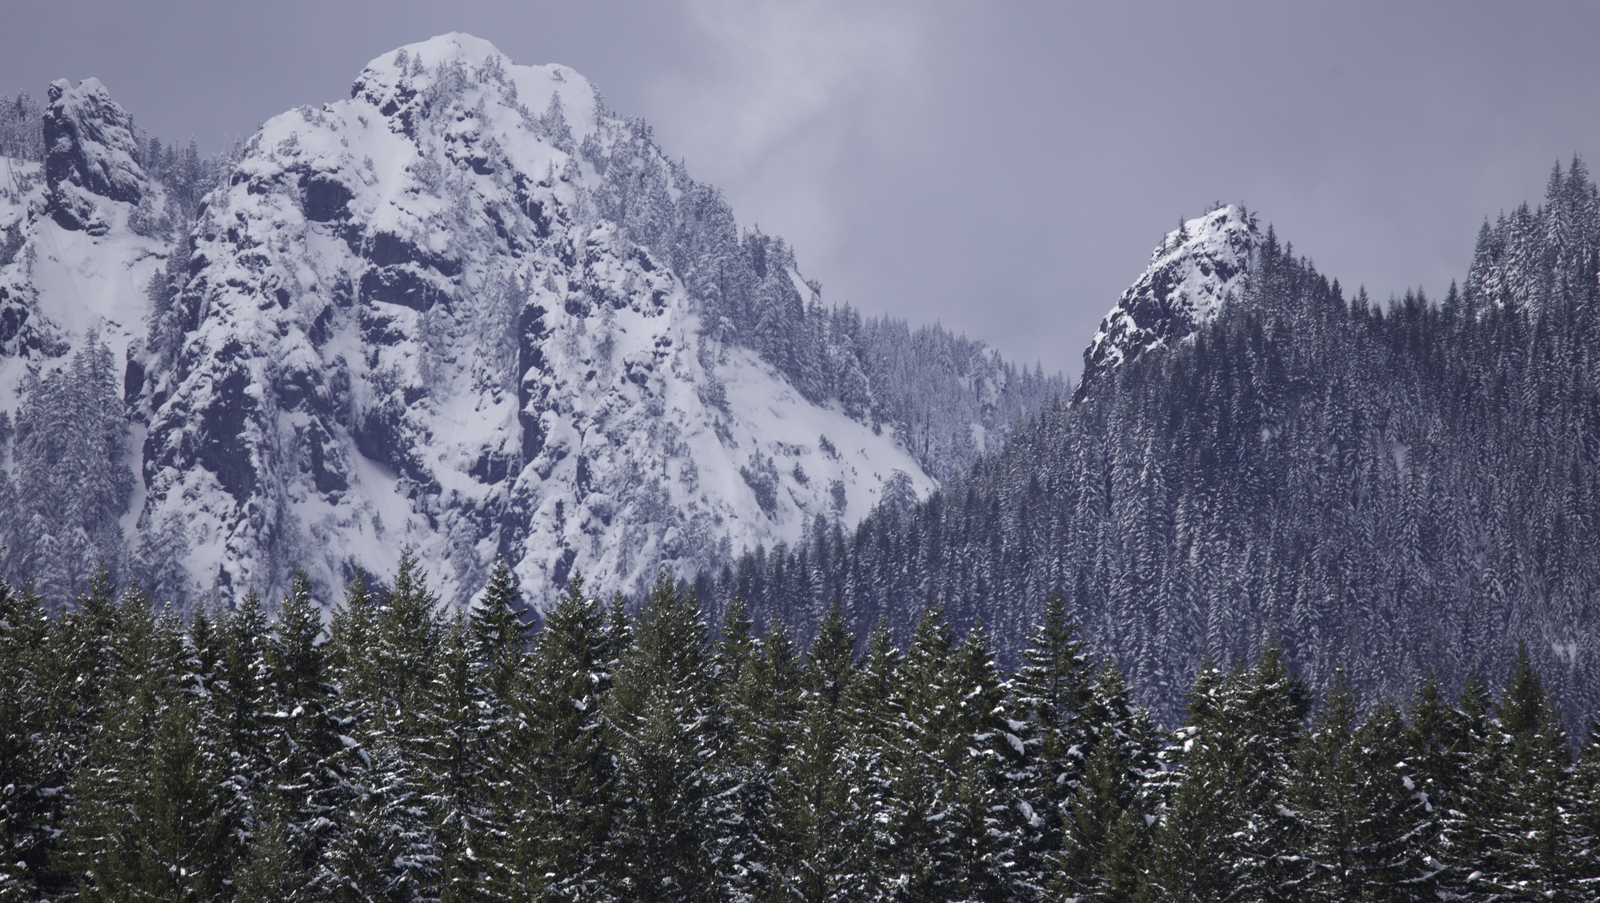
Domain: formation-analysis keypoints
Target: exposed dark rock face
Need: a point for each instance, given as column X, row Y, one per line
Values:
column 90, row 151
column 17, row 333
column 325, row 198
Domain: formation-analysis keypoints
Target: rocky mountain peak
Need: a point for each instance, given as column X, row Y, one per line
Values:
column 466, row 310
column 447, row 79
column 1196, row 269
column 433, row 315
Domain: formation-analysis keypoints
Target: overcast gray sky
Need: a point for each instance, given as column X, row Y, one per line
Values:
column 1002, row 167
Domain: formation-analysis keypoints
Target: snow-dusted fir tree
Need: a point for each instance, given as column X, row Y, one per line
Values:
column 875, row 716
column 820, row 846
column 950, row 830
column 387, row 849
column 151, row 813
column 30, row 705
column 1360, row 804
column 675, row 810
column 1104, row 831
column 1049, row 712
column 72, row 484
column 1586, row 809
column 760, row 689
column 564, row 790
column 1228, row 830
column 1522, row 815
column 240, row 702
column 311, row 765
column 498, row 744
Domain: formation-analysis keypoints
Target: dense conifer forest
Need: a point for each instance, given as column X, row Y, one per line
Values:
column 409, row 751
column 1384, row 489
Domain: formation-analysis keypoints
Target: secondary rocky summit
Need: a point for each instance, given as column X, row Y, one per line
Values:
column 1197, row 268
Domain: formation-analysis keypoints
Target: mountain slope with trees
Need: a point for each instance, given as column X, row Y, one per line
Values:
column 1388, row 490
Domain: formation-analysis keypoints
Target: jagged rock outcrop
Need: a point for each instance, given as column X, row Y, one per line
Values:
column 72, row 316
column 90, row 153
column 1196, row 269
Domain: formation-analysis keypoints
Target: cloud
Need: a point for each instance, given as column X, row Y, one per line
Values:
column 781, row 94
column 781, row 66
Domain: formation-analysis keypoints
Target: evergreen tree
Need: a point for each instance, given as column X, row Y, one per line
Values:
column 72, row 483
column 1586, row 807
column 386, row 852
column 1229, row 832
column 1359, row 811
column 951, row 835
column 760, row 690
column 30, row 776
column 386, row 650
column 1329, row 797
column 239, row 710
column 1402, row 827
column 79, row 662
column 466, row 740
column 1440, row 738
column 989, row 827
column 916, row 758
column 567, row 794
column 498, row 664
column 1192, row 856
column 820, row 848
column 875, row 718
column 498, row 642
column 352, row 637
column 1477, row 782
column 1105, row 833
column 1103, row 855
column 674, row 800
column 1529, row 829
column 149, row 814
column 272, row 873
column 408, row 633
column 453, row 766
column 1051, row 697
column 310, row 771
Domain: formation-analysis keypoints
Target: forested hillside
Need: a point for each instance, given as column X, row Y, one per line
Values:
column 1395, row 490
column 411, row 752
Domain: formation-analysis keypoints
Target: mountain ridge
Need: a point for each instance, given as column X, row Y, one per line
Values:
column 470, row 310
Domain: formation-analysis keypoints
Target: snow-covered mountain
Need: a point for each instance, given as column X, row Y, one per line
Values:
column 1196, row 269
column 467, row 310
